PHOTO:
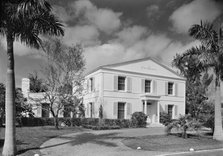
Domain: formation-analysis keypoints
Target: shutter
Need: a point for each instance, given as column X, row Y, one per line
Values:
column 92, row 108
column 88, row 110
column 115, row 83
column 166, row 88
column 115, row 109
column 176, row 110
column 129, row 109
column 93, row 83
column 176, row 89
column 143, row 85
column 154, row 87
column 129, row 84
column 88, row 85
column 166, row 108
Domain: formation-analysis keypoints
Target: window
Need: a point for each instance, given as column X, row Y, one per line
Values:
column 170, row 110
column 121, row 110
column 121, row 83
column 91, row 109
column 170, row 88
column 45, row 110
column 67, row 111
column 148, row 86
column 91, row 84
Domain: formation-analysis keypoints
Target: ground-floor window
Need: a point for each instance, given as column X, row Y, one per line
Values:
column 170, row 110
column 67, row 111
column 121, row 110
column 45, row 110
column 91, row 109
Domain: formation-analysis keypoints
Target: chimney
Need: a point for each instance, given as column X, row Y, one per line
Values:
column 25, row 87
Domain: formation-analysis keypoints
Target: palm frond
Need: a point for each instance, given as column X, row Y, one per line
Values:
column 205, row 33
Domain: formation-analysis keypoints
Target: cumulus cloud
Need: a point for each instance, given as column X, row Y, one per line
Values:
column 193, row 13
column 105, row 20
column 154, row 45
column 86, row 35
column 130, row 35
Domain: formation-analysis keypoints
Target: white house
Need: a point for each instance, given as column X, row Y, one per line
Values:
column 144, row 85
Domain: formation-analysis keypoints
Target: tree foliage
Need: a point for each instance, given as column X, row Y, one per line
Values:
column 208, row 56
column 63, row 77
column 36, row 83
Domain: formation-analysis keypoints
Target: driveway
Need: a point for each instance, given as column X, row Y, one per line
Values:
column 105, row 143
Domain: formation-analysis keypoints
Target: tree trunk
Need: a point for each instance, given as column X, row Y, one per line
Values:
column 9, row 148
column 218, row 132
column 56, row 122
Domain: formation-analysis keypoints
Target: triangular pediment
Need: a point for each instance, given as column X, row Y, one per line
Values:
column 145, row 66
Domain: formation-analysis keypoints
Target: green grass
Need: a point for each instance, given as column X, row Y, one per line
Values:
column 173, row 143
column 29, row 139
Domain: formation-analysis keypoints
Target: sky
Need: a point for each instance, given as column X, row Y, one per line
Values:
column 113, row 31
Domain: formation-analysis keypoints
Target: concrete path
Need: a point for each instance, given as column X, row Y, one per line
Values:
column 99, row 143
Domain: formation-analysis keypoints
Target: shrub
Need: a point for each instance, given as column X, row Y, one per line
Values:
column 97, row 127
column 184, row 123
column 139, row 119
column 165, row 118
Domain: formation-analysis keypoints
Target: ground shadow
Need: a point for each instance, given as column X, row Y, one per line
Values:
column 100, row 139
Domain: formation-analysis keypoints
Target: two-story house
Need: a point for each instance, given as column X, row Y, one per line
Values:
column 144, row 85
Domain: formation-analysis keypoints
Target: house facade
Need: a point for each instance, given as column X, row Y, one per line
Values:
column 143, row 85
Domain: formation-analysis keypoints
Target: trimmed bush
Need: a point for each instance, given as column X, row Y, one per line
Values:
column 139, row 119
column 165, row 118
column 104, row 127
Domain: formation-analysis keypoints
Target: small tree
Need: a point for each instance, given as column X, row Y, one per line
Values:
column 184, row 123
column 64, row 78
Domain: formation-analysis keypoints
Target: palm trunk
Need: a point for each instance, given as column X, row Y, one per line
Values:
column 9, row 148
column 218, row 132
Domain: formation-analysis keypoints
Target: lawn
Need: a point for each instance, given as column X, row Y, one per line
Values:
column 30, row 138
column 173, row 143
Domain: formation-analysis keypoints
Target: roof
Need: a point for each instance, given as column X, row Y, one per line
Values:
column 135, row 61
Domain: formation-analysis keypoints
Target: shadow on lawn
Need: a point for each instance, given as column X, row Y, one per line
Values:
column 81, row 139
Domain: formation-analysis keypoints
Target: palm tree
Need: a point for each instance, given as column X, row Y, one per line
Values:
column 24, row 21
column 210, row 56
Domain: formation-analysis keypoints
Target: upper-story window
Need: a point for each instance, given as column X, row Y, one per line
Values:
column 148, row 86
column 170, row 88
column 121, row 83
column 91, row 84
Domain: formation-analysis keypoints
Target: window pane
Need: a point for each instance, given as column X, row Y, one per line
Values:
column 147, row 86
column 121, row 83
column 45, row 110
column 170, row 88
column 121, row 110
column 170, row 110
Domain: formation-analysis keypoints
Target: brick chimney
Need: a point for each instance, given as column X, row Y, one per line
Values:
column 25, row 87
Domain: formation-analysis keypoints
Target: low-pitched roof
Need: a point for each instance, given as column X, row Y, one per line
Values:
column 135, row 61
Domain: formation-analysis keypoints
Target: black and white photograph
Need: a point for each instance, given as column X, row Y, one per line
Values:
column 111, row 77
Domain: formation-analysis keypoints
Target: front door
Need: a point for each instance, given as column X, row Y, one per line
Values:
column 151, row 112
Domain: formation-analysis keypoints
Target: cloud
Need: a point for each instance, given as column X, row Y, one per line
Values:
column 106, row 20
column 154, row 45
column 153, row 11
column 86, row 35
column 61, row 13
column 130, row 35
column 193, row 13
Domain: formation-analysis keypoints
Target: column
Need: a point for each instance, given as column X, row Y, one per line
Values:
column 158, row 112
column 145, row 107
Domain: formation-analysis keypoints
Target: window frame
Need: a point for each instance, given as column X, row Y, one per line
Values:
column 123, row 110
column 170, row 89
column 124, row 84
column 150, row 86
